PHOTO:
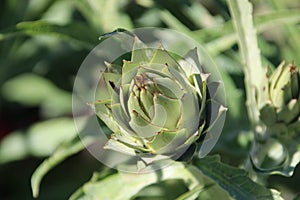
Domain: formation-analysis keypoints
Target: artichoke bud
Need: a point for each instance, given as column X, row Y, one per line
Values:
column 152, row 104
column 281, row 110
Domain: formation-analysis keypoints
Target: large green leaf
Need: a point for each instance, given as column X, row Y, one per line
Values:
column 207, row 179
column 121, row 186
column 235, row 181
column 154, row 184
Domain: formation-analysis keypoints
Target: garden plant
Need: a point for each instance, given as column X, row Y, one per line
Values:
column 149, row 99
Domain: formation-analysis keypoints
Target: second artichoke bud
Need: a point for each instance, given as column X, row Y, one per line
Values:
column 281, row 94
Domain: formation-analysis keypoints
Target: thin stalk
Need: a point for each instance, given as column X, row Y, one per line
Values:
column 241, row 13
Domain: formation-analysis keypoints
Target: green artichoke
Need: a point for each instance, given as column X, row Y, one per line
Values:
column 154, row 105
column 281, row 96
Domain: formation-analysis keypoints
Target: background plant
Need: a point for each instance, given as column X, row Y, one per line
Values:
column 42, row 46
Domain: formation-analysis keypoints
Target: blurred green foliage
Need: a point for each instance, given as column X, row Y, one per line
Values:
column 43, row 43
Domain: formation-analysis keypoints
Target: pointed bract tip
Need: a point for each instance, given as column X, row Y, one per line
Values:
column 223, row 108
column 160, row 46
column 204, row 76
column 108, row 64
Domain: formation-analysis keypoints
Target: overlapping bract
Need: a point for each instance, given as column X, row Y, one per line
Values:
column 152, row 104
column 281, row 111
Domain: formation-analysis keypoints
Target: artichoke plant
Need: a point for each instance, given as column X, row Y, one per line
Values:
column 281, row 109
column 155, row 106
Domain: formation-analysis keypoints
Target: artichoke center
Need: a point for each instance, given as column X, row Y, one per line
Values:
column 150, row 104
column 139, row 81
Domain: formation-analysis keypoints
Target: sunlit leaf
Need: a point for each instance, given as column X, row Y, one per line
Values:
column 40, row 139
column 33, row 90
column 208, row 179
column 112, row 187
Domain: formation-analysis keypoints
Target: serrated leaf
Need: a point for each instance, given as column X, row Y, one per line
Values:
column 235, row 181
